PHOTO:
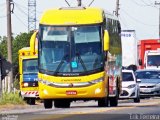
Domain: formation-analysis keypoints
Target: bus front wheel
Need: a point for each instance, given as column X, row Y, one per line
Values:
column 48, row 103
column 103, row 102
column 31, row 101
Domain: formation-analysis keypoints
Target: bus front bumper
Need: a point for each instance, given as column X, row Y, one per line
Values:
column 97, row 90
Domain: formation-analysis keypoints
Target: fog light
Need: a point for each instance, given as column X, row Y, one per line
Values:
column 45, row 92
column 98, row 90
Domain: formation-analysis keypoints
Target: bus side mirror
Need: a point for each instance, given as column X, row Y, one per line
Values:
column 33, row 41
column 106, row 40
column 140, row 61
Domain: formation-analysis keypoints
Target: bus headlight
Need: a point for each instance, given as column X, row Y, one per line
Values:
column 44, row 81
column 96, row 81
column 25, row 84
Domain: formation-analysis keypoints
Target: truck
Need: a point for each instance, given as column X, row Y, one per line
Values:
column 79, row 57
column 149, row 54
column 129, row 48
column 28, row 71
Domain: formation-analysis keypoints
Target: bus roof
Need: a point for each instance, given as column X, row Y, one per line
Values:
column 72, row 16
column 26, row 51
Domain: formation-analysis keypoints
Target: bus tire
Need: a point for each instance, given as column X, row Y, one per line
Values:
column 103, row 102
column 31, row 101
column 48, row 103
column 113, row 101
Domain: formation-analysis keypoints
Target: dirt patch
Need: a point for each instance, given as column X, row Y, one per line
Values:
column 12, row 107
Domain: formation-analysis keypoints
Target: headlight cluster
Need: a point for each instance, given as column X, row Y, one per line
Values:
column 44, row 81
column 80, row 84
column 157, row 85
column 96, row 81
column 131, row 86
column 25, row 84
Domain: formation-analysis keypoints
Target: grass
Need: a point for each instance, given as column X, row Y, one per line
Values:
column 11, row 98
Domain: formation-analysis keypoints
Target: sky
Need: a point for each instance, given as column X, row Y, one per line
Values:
column 139, row 15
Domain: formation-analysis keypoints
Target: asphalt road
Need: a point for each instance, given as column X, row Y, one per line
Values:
column 147, row 109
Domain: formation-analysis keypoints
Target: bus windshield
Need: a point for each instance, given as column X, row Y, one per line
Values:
column 69, row 49
column 30, row 66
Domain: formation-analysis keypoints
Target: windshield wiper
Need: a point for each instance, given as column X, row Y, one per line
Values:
column 60, row 64
column 65, row 57
column 46, row 71
column 81, row 61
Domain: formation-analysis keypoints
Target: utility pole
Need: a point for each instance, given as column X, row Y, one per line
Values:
column 9, row 3
column 117, row 8
column 158, row 3
column 79, row 2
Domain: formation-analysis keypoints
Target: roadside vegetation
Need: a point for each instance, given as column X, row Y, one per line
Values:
column 11, row 98
column 18, row 42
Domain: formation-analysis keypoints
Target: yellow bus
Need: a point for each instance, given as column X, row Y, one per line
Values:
column 79, row 56
column 28, row 70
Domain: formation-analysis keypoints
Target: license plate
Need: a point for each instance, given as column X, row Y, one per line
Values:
column 71, row 92
column 146, row 90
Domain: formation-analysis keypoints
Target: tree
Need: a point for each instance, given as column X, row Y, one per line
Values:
column 20, row 41
column 3, row 46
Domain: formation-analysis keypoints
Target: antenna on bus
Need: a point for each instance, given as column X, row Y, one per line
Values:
column 91, row 3
column 67, row 2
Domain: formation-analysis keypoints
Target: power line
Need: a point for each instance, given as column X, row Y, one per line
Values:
column 91, row 3
column 21, row 10
column 3, row 16
column 137, row 20
column 20, row 20
column 24, row 7
column 151, row 2
column 144, row 4
column 2, row 4
column 123, row 21
column 67, row 2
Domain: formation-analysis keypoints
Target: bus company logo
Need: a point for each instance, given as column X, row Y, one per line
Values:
column 126, row 35
column 70, row 85
column 71, row 74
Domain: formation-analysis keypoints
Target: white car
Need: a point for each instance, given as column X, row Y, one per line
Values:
column 130, row 87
